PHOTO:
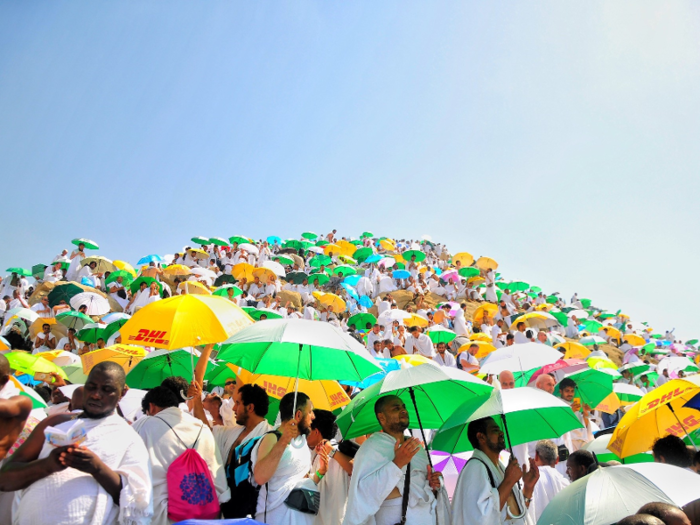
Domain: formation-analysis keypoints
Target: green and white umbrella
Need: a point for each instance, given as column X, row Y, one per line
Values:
column 435, row 391
column 361, row 320
column 610, row 494
column 592, row 385
column 420, row 256
column 309, row 235
column 343, row 270
column 525, row 414
column 20, row 271
column 90, row 245
column 222, row 291
column 257, row 313
column 74, row 320
column 201, row 240
column 599, row 447
column 440, row 334
column 283, row 260
column 239, row 239
column 519, row 358
column 159, row 364
column 218, row 241
column 90, row 333
column 592, row 340
column 127, row 277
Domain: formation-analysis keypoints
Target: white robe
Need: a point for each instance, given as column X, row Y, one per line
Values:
column 71, row 497
column 226, row 436
column 334, row 489
column 164, row 448
column 551, row 482
column 374, row 477
column 475, row 501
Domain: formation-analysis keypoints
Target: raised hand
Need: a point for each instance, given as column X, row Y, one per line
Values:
column 404, row 452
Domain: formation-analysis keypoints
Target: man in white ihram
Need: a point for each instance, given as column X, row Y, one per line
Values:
column 378, row 478
column 551, row 481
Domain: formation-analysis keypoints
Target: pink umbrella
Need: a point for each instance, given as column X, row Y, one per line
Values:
column 450, row 465
column 557, row 365
column 450, row 275
column 387, row 262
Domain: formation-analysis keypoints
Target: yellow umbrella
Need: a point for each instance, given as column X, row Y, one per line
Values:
column 480, row 337
column 326, row 395
column 476, row 280
column 484, row 348
column 200, row 254
column 414, row 359
column 388, row 245
column 243, row 270
column 332, row 248
column 485, row 263
column 613, row 332
column 264, row 274
column 416, row 320
column 538, row 320
column 177, row 269
column 399, row 258
column 601, row 362
column 658, row 414
column 574, row 351
column 464, row 259
column 545, row 306
column 123, row 265
column 194, row 287
column 634, row 340
column 346, row 248
column 610, row 404
column 330, row 299
column 478, row 316
column 26, row 363
column 128, row 356
column 57, row 329
column 60, row 357
column 185, row 320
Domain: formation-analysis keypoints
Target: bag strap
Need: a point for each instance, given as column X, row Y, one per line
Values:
column 178, row 437
column 488, row 470
column 277, row 434
column 406, row 491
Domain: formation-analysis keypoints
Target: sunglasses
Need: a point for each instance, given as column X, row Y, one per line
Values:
column 230, row 383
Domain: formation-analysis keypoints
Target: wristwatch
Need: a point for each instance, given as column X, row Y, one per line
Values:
column 332, row 453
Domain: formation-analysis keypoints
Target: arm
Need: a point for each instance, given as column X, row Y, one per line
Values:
column 345, row 462
column 51, row 342
column 15, row 407
column 195, row 392
column 512, row 474
column 85, row 460
column 201, row 366
column 271, row 450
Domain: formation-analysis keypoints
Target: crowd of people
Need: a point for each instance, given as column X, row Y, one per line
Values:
column 195, row 450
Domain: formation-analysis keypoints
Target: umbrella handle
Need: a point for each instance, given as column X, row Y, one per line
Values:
column 296, row 381
column 510, row 514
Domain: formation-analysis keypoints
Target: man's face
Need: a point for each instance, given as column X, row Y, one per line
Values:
column 46, row 329
column 507, row 380
column 574, row 471
column 394, row 416
column 307, row 417
column 567, row 393
column 441, row 348
column 377, row 347
column 45, row 301
column 101, row 394
column 239, row 409
column 211, row 404
column 546, row 382
column 375, row 329
column 494, row 440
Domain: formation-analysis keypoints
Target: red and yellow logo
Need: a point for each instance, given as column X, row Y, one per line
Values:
column 157, row 337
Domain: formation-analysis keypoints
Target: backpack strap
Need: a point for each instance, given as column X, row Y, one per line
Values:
column 267, row 488
column 178, row 437
column 488, row 470
column 406, row 491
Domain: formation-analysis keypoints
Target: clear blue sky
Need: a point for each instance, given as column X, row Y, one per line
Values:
column 560, row 138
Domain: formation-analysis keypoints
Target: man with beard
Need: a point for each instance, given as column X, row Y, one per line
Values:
column 381, row 464
column 104, row 480
column 281, row 463
column 487, row 492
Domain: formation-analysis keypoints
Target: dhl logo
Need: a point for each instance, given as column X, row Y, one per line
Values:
column 274, row 390
column 151, row 336
column 689, row 423
column 337, row 399
column 666, row 398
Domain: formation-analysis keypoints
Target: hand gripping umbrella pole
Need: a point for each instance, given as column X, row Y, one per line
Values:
column 510, row 514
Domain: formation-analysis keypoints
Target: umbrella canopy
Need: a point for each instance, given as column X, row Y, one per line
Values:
column 486, row 308
column 519, row 358
column 610, row 494
column 330, row 299
column 176, row 269
column 102, row 264
column 185, row 320
column 193, row 287
column 126, row 276
column 149, row 259
column 297, row 277
column 219, row 241
column 95, row 303
column 20, row 271
column 592, row 386
column 31, row 364
column 309, row 235
column 264, row 274
column 657, row 414
column 257, row 313
column 361, row 320
column 223, row 291
column 599, row 446
column 525, row 414
column 410, row 254
column 250, row 248
column 484, row 348
column 622, row 395
column 283, row 260
column 343, row 270
column 61, row 357
column 64, row 292
column 219, row 374
column 75, row 374
column 299, row 348
column 37, row 400
column 90, row 245
column 362, row 253
column 127, row 356
column 573, row 350
column 319, row 260
column 239, row 239
column 243, row 271
column 56, row 329
column 437, row 391
column 319, row 278
column 634, row 339
column 91, row 332
column 122, row 265
column 539, row 320
column 469, row 272
column 485, row 263
column 592, row 340
column 463, row 258
column 159, row 364
column 440, row 334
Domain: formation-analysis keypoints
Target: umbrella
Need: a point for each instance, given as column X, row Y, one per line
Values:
column 61, row 357
column 31, row 364
column 657, row 414
column 75, row 374
column 296, row 277
column 539, row 320
column 344, row 270
column 309, row 235
column 264, row 274
column 387, row 365
column 413, row 360
column 440, row 334
column 464, row 259
column 362, row 253
column 91, row 332
column 431, row 394
column 484, row 348
column 319, row 260
column 514, row 286
column 56, row 329
column 450, row 275
column 239, row 239
column 185, row 320
column 95, row 303
column 284, row 260
column 592, row 386
column 387, row 262
column 218, row 241
column 128, row 356
column 592, row 340
column 622, row 395
column 361, row 320
column 199, row 254
column 634, row 340
column 22, row 313
column 319, row 278
column 330, row 299
column 293, row 244
column 519, row 358
column 149, row 259
column 243, row 271
column 257, row 313
column 676, row 363
column 573, row 350
column 599, row 446
column 469, row 272
column 90, row 245
column 4, row 344
column 401, row 274
column 366, row 235
column 223, row 291
column 488, row 308
column 37, row 400
column 249, row 248
column 159, row 364
column 610, row 494
column 299, row 348
column 201, row 240
column 126, row 276
column 63, row 292
column 409, row 254
column 20, row 271
column 525, row 414
column 273, row 239
column 347, row 259
column 219, row 374
column 486, row 263
column 122, row 265
column 350, row 291
column 103, row 264
column 177, row 270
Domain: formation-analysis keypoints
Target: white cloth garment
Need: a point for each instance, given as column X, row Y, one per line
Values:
column 448, row 360
column 420, row 345
column 551, row 482
column 226, row 436
column 476, row 501
column 334, row 489
column 290, row 474
column 71, row 497
column 374, row 477
column 165, row 445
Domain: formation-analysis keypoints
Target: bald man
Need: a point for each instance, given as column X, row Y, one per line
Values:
column 669, row 514
column 507, row 380
column 546, row 382
column 640, row 519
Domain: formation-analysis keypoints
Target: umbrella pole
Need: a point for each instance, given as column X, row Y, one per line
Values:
column 681, row 424
column 510, row 446
column 296, row 381
column 420, row 425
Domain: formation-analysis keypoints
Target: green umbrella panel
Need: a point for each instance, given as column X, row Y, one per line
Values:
column 20, row 271
column 90, row 245
column 219, row 374
column 223, row 291
column 320, row 260
column 344, row 270
column 592, row 386
column 31, row 364
column 239, row 239
column 296, row 277
column 419, row 255
column 91, row 333
column 320, row 278
column 468, row 272
column 134, row 287
column 283, row 260
column 322, row 242
column 159, row 364
column 309, row 235
column 361, row 320
column 127, row 277
column 439, row 334
column 38, row 271
column 63, row 292
column 72, row 319
column 362, row 253
column 218, row 241
column 257, row 313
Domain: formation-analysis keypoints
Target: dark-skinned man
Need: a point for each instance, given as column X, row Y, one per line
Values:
column 380, row 467
column 104, row 480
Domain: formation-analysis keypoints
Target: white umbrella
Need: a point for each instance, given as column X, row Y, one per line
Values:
column 96, row 304
column 519, row 358
column 130, row 404
column 276, row 267
column 203, row 272
column 66, row 358
column 674, row 364
column 579, row 314
column 316, row 249
column 103, row 264
column 249, row 248
column 612, row 493
column 22, row 313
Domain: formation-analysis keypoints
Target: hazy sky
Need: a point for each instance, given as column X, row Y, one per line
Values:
column 560, row 138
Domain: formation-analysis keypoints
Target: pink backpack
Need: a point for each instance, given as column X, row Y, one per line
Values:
column 191, row 493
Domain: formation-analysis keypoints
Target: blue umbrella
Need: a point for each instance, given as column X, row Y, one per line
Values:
column 694, row 402
column 149, row 259
column 387, row 364
column 366, row 302
column 352, row 280
column 401, row 274
column 351, row 291
column 374, row 258
column 272, row 239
